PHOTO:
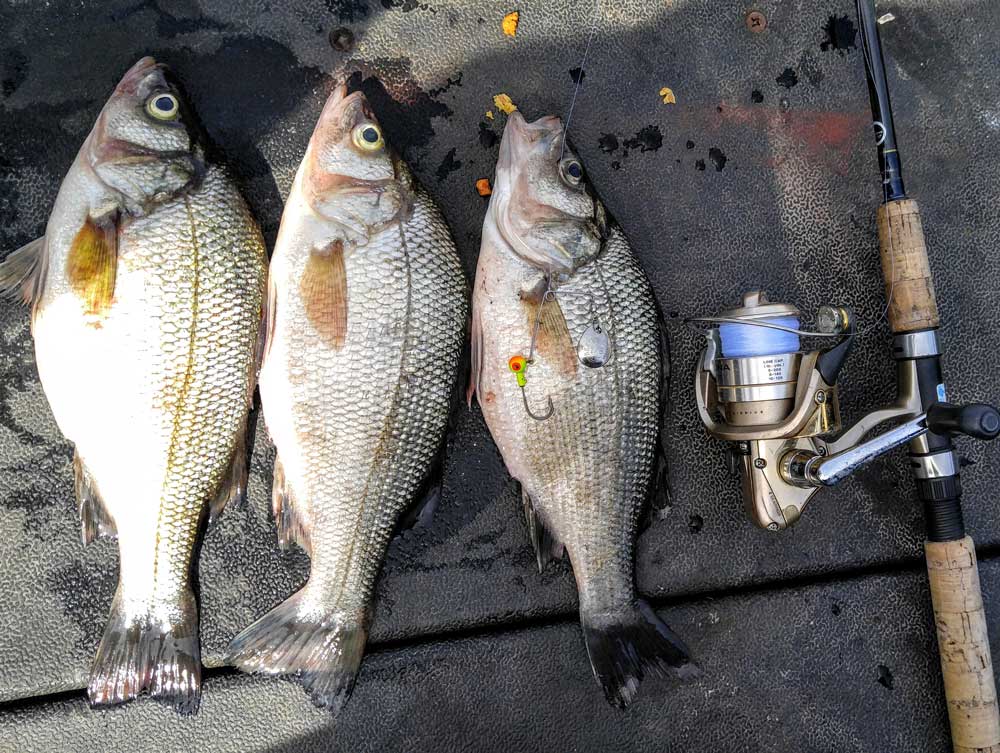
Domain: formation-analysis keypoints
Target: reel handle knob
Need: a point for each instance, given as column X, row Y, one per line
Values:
column 976, row 420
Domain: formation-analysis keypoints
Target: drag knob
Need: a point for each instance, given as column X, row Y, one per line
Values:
column 976, row 420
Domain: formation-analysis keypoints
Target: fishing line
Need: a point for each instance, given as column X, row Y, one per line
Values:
column 883, row 315
column 881, row 132
column 550, row 294
column 579, row 78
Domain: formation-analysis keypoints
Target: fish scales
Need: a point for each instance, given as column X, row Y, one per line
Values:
column 587, row 467
column 147, row 292
column 207, row 301
column 561, row 301
column 368, row 316
column 369, row 418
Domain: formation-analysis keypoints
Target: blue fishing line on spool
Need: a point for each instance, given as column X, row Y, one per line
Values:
column 742, row 340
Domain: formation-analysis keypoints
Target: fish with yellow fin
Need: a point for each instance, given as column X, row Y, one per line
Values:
column 147, row 294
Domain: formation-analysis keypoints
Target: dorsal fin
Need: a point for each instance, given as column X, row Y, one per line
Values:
column 23, row 272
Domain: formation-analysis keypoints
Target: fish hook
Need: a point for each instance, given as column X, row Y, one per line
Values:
column 519, row 365
column 527, row 408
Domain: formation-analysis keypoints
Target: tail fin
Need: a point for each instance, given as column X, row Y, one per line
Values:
column 150, row 647
column 623, row 647
column 323, row 651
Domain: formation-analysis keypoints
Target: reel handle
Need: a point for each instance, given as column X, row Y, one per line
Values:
column 977, row 420
column 964, row 645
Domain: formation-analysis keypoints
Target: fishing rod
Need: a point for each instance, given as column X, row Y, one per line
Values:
column 757, row 387
column 963, row 641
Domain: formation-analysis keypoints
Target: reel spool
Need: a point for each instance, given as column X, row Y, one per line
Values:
column 759, row 366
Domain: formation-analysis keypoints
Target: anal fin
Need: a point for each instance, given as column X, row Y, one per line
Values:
column 547, row 548
column 233, row 488
column 95, row 520
column 420, row 514
column 290, row 528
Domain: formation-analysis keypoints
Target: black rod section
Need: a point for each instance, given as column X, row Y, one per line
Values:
column 878, row 91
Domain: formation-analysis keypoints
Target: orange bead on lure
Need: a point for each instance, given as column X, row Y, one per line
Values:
column 519, row 364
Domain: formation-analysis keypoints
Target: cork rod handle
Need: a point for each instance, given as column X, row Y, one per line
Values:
column 964, row 646
column 905, row 269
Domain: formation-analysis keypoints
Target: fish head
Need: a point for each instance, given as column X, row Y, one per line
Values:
column 541, row 203
column 349, row 174
column 144, row 146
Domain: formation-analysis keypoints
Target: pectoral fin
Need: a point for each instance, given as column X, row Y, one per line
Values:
column 23, row 272
column 553, row 342
column 324, row 293
column 92, row 264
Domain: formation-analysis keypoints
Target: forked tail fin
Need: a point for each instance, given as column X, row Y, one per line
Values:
column 150, row 646
column 624, row 647
column 322, row 651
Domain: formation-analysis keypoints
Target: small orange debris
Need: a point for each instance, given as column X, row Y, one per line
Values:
column 504, row 103
column 510, row 23
column 483, row 187
column 489, row 114
column 668, row 96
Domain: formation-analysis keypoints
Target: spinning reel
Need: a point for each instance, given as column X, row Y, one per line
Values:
column 778, row 403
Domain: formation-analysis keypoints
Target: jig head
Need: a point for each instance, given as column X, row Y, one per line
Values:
column 519, row 365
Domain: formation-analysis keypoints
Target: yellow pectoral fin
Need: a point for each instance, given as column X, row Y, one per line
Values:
column 324, row 293
column 91, row 265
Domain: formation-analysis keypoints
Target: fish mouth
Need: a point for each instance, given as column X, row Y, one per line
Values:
column 520, row 136
column 343, row 109
column 136, row 74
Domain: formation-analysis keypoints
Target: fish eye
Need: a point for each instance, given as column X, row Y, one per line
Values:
column 368, row 136
column 163, row 106
column 571, row 171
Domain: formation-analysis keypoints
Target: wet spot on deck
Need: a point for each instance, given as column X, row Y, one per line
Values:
column 648, row 139
column 608, row 142
column 718, row 158
column 448, row 165
column 487, row 136
column 840, row 35
column 788, row 78
column 348, row 10
column 885, row 678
